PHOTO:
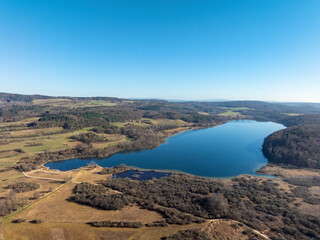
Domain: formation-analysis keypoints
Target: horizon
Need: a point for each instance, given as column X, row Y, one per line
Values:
column 149, row 49
column 163, row 99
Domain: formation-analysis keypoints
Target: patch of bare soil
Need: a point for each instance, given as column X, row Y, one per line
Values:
column 57, row 234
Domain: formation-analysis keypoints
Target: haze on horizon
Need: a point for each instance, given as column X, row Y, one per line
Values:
column 181, row 49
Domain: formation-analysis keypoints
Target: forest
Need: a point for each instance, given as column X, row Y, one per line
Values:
column 297, row 145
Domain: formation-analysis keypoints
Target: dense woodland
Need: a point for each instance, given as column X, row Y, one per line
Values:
column 297, row 145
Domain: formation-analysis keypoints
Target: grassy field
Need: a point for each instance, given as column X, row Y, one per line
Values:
column 232, row 111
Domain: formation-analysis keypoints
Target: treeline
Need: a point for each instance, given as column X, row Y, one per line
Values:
column 116, row 224
column 297, row 145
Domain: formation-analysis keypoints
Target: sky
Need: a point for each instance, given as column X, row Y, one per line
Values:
column 169, row 49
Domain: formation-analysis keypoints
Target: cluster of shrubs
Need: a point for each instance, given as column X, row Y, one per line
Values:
column 89, row 137
column 106, row 128
column 161, row 223
column 23, row 186
column 116, row 224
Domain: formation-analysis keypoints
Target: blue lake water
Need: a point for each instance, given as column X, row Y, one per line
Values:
column 227, row 150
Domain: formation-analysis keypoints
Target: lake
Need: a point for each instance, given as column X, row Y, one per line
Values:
column 227, row 150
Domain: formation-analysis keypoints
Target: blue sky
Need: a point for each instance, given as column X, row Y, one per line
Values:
column 174, row 49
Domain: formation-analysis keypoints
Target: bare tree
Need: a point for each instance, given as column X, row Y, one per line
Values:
column 36, row 195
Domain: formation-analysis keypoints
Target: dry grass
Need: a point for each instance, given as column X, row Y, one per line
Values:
column 46, row 173
column 57, row 234
column 29, row 231
column 286, row 173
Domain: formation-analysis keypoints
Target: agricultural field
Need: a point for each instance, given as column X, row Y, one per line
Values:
column 232, row 111
column 64, row 102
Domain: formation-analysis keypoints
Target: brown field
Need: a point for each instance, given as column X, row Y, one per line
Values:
column 81, row 231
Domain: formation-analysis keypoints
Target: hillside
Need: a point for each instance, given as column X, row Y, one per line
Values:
column 297, row 145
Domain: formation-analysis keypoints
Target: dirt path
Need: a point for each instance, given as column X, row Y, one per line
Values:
column 54, row 179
